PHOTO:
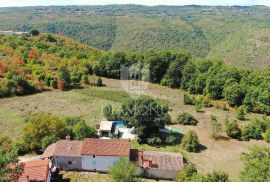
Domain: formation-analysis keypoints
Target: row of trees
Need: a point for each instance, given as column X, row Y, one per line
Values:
column 257, row 129
column 178, row 70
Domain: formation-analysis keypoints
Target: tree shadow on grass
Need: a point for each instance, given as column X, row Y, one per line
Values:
column 201, row 148
column 59, row 178
column 224, row 138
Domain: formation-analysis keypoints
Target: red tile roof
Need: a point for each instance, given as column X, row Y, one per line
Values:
column 106, row 147
column 161, row 160
column 35, row 170
column 49, row 152
column 71, row 148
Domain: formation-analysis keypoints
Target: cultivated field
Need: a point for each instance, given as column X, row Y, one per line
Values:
column 88, row 103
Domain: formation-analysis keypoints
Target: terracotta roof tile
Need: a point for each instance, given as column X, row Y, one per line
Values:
column 35, row 170
column 49, row 152
column 161, row 160
column 70, row 148
column 106, row 147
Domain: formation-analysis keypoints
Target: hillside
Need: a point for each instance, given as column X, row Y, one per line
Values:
column 237, row 35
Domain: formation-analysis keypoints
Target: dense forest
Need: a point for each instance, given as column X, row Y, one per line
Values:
column 238, row 35
column 46, row 61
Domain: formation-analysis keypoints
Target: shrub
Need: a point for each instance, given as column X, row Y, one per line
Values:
column 81, row 131
column 186, row 174
column 107, row 111
column 232, row 129
column 154, row 141
column 190, row 141
column 99, row 82
column 215, row 127
column 217, row 176
column 207, row 102
column 251, row 131
column 256, row 165
column 123, row 171
column 241, row 112
column 170, row 140
column 34, row 32
column 186, row 119
column 267, row 135
column 188, row 100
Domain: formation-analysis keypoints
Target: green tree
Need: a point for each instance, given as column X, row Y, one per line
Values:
column 146, row 115
column 188, row 100
column 34, row 32
column 9, row 168
column 186, row 119
column 256, row 165
column 233, row 94
column 267, row 135
column 40, row 126
column 187, row 174
column 215, row 127
column 251, row 131
column 190, row 141
column 232, row 129
column 81, row 131
column 217, row 176
column 107, row 111
column 241, row 112
column 64, row 76
column 123, row 171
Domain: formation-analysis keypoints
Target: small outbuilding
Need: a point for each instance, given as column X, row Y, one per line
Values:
column 158, row 165
column 105, row 128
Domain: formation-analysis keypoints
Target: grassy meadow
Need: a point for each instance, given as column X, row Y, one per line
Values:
column 89, row 101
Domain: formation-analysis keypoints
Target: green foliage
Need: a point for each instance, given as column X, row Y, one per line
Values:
column 241, row 112
column 34, row 32
column 251, row 131
column 146, row 115
column 187, row 174
column 154, row 141
column 44, row 129
column 188, row 100
column 186, row 119
column 107, row 112
column 216, row 127
column 267, row 135
column 123, row 171
column 256, row 165
column 41, row 126
column 64, row 76
column 81, row 131
column 232, row 129
column 217, row 176
column 190, row 141
column 233, row 94
column 8, row 158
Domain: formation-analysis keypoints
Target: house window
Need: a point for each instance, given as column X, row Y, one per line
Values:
column 94, row 156
column 69, row 162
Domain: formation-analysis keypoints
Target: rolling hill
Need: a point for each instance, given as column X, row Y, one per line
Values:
column 237, row 35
